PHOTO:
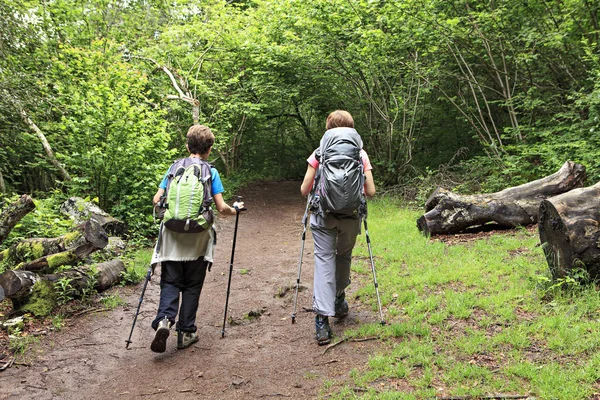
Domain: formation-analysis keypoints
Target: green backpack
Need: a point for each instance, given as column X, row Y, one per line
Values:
column 188, row 196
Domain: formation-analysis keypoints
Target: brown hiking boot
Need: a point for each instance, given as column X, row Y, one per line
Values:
column 159, row 344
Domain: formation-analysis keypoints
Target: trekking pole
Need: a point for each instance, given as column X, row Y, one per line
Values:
column 237, row 216
column 382, row 322
column 148, row 275
column 304, row 221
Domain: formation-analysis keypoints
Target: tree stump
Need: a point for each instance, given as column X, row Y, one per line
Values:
column 569, row 227
column 447, row 212
column 13, row 214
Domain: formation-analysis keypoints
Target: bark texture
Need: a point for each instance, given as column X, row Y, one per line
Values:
column 447, row 212
column 13, row 214
column 17, row 284
column 569, row 228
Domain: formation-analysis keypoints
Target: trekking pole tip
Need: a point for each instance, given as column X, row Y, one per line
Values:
column 293, row 318
column 382, row 322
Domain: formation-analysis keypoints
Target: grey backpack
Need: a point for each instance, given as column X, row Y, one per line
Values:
column 340, row 178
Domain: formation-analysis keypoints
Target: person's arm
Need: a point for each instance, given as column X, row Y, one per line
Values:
column 157, row 196
column 309, row 178
column 224, row 208
column 369, row 184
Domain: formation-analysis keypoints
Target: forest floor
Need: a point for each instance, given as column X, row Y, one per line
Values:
column 263, row 355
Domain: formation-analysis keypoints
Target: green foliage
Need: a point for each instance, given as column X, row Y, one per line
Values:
column 58, row 322
column 504, row 93
column 44, row 221
column 64, row 290
column 124, row 152
column 113, row 301
column 21, row 344
column 136, row 266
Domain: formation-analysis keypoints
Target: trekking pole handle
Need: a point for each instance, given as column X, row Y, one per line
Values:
column 237, row 209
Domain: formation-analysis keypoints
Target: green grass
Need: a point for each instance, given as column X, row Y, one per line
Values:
column 473, row 319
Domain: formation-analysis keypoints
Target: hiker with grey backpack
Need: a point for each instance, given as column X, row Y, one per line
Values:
column 338, row 179
column 186, row 239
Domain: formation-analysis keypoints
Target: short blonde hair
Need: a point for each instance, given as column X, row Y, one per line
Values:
column 338, row 119
column 199, row 139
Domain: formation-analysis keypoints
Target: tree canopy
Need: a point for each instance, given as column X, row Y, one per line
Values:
column 503, row 91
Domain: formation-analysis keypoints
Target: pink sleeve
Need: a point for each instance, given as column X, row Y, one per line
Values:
column 312, row 160
column 366, row 161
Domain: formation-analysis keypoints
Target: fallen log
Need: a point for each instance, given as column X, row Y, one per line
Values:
column 447, row 212
column 17, row 285
column 33, row 248
column 81, row 210
column 94, row 238
column 13, row 214
column 569, row 227
column 109, row 273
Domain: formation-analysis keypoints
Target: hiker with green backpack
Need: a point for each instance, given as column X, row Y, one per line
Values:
column 337, row 179
column 186, row 239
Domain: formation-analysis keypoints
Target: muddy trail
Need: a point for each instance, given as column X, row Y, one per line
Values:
column 263, row 355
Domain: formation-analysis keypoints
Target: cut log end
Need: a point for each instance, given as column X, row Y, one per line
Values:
column 555, row 240
column 422, row 226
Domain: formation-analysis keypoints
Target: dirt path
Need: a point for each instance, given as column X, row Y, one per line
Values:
column 263, row 357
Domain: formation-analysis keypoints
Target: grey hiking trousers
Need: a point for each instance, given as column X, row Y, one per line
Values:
column 334, row 239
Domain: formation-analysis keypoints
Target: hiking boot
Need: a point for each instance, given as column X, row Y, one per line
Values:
column 159, row 344
column 341, row 306
column 186, row 339
column 323, row 331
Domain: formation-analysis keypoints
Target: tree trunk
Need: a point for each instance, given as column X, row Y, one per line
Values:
column 81, row 210
column 49, row 153
column 2, row 184
column 17, row 285
column 13, row 214
column 447, row 212
column 570, row 231
column 95, row 238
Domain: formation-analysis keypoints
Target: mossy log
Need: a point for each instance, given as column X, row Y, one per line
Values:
column 447, row 212
column 94, row 238
column 569, row 228
column 81, row 210
column 34, row 248
column 13, row 214
column 17, row 285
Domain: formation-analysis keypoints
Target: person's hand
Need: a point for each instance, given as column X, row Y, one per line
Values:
column 239, row 206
